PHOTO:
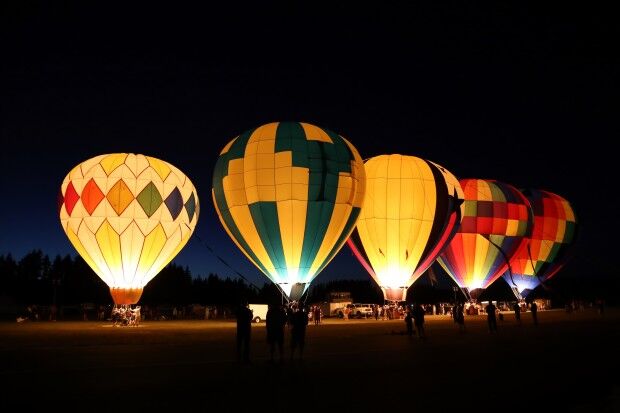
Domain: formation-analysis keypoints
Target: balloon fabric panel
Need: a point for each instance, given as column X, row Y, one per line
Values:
column 552, row 238
column 411, row 211
column 288, row 194
column 124, row 214
column 496, row 216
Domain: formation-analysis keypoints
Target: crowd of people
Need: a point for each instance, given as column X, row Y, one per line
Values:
column 126, row 315
column 296, row 316
column 314, row 313
column 278, row 317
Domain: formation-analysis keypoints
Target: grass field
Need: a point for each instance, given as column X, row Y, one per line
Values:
column 566, row 363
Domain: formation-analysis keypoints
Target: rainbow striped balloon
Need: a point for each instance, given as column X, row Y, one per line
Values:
column 552, row 239
column 496, row 221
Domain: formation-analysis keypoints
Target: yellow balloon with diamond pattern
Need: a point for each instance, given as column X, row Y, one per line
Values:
column 128, row 215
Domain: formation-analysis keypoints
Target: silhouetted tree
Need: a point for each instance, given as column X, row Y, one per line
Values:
column 362, row 291
column 35, row 279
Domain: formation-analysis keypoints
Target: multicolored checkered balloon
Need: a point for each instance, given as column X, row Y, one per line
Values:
column 548, row 249
column 128, row 216
column 496, row 221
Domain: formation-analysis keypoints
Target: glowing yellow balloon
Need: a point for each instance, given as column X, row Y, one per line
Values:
column 128, row 216
column 412, row 210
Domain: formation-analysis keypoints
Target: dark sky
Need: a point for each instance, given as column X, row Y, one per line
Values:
column 517, row 93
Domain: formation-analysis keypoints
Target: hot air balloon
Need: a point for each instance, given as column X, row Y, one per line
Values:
column 412, row 210
column 127, row 215
column 548, row 248
column 495, row 224
column 289, row 194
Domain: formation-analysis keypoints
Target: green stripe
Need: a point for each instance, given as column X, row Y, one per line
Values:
column 537, row 267
column 317, row 220
column 342, row 152
column 524, row 229
column 320, row 205
column 492, row 254
column 326, row 161
column 555, row 249
column 351, row 221
column 471, row 208
column 496, row 192
column 569, row 232
column 290, row 136
column 236, row 151
column 265, row 217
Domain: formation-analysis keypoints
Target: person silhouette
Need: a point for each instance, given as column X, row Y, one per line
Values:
column 409, row 323
column 534, row 310
column 299, row 321
column 517, row 308
column 244, row 330
column 459, row 317
column 418, row 319
column 53, row 312
column 491, row 317
column 316, row 315
column 275, row 322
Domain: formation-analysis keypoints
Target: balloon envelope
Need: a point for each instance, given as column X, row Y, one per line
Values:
column 127, row 215
column 548, row 248
column 496, row 221
column 412, row 210
column 289, row 194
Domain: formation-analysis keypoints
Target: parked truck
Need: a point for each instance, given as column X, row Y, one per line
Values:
column 259, row 312
column 330, row 309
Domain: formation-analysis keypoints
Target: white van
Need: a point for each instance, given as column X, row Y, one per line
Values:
column 259, row 312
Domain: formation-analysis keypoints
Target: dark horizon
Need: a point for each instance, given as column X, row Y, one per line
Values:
column 518, row 93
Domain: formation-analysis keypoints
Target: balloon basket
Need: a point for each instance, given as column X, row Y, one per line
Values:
column 125, row 315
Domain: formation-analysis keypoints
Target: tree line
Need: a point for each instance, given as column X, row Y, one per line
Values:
column 68, row 280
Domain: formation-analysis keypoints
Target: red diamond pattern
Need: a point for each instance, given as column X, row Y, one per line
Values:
column 71, row 198
column 91, row 196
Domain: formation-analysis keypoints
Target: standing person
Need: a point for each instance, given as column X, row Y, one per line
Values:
column 244, row 330
column 317, row 315
column 207, row 312
column 275, row 322
column 53, row 312
column 534, row 309
column 459, row 317
column 409, row 323
column 298, row 331
column 517, row 309
column 418, row 319
column 491, row 317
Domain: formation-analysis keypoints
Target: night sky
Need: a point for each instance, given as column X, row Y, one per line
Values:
column 518, row 93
